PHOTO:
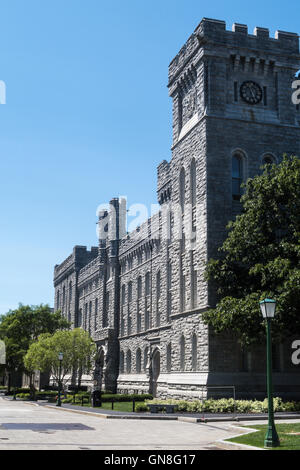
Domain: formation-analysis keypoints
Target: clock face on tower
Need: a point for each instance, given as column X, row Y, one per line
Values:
column 251, row 92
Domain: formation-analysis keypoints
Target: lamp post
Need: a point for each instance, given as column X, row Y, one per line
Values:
column 60, row 358
column 268, row 307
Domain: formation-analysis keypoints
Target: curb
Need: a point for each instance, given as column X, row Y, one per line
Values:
column 227, row 445
column 158, row 417
column 106, row 416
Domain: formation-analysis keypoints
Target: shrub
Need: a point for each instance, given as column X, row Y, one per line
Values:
column 225, row 405
column 141, row 407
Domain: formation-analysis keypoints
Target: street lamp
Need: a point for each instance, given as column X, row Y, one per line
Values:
column 60, row 358
column 268, row 307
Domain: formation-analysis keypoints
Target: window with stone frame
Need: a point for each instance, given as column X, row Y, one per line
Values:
column 147, row 284
column 105, row 311
column 193, row 183
column 128, row 362
column 138, row 361
column 194, row 352
column 182, row 189
column 96, row 315
column 158, row 293
column 237, row 176
column 169, row 292
column 90, row 317
column 182, row 353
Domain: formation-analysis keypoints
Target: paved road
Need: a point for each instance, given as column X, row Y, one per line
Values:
column 30, row 426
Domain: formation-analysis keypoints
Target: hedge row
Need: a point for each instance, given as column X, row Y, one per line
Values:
column 108, row 397
column 226, row 405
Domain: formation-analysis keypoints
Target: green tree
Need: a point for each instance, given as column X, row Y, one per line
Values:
column 77, row 347
column 261, row 258
column 21, row 327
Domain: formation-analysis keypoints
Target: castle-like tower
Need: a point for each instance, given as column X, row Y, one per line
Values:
column 141, row 295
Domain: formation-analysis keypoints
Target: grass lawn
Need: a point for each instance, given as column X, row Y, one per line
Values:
column 289, row 435
column 118, row 406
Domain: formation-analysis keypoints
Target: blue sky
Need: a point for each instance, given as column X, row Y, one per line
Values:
column 88, row 118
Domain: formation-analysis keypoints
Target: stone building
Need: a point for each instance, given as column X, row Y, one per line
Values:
column 141, row 295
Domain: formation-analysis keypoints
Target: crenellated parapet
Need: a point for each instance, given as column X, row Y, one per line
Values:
column 211, row 31
column 80, row 257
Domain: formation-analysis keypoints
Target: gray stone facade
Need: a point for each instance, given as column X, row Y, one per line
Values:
column 141, row 295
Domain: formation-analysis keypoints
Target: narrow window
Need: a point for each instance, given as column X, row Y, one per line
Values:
column 64, row 297
column 158, row 298
column 193, row 182
column 182, row 189
column 182, row 353
column 70, row 293
column 96, row 315
column 268, row 159
column 138, row 361
column 147, row 284
column 130, row 292
column 169, row 292
column 237, row 177
column 128, row 362
column 194, row 352
column 106, row 310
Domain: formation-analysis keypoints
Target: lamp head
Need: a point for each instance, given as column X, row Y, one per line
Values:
column 60, row 356
column 268, row 307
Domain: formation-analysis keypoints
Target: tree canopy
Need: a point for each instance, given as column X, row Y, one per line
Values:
column 261, row 258
column 77, row 347
column 21, row 327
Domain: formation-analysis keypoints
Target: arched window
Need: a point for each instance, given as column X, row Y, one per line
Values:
column 70, row 292
column 138, row 361
column 193, row 180
column 147, row 284
column 106, row 311
column 139, row 288
column 268, row 159
column 169, row 357
column 123, row 295
column 128, row 362
column 64, row 297
column 194, row 352
column 182, row 188
column 146, row 352
column 122, row 362
column 182, row 353
column 130, row 292
column 169, row 292
column 158, row 280
column 58, row 300
column 90, row 317
column 96, row 315
column 169, row 225
column 237, row 176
